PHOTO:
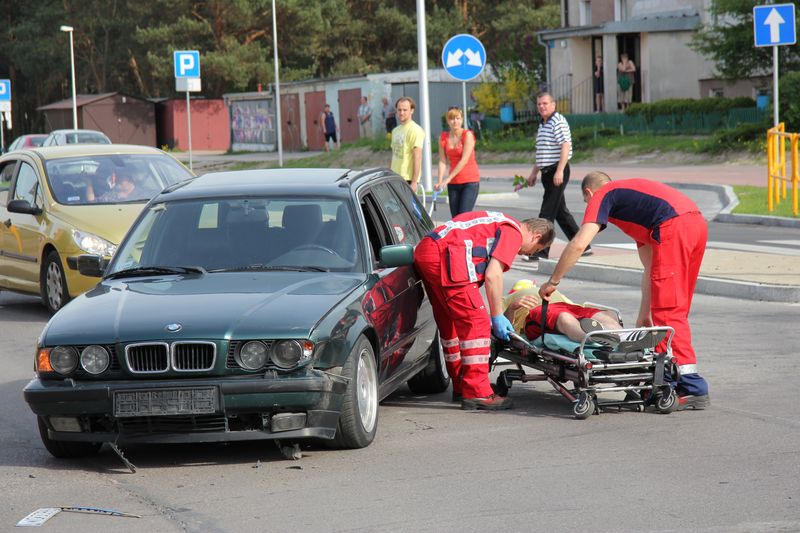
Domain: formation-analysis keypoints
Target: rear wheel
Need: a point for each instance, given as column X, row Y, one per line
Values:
column 53, row 283
column 358, row 421
column 66, row 449
column 432, row 379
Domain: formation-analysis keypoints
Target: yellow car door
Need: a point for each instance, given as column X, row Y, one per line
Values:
column 22, row 236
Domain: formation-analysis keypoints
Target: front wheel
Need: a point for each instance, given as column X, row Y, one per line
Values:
column 358, row 421
column 66, row 449
column 53, row 283
column 432, row 379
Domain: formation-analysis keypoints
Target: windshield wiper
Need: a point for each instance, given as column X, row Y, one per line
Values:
column 267, row 268
column 155, row 271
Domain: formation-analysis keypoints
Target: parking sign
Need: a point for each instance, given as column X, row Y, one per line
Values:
column 187, row 63
column 5, row 90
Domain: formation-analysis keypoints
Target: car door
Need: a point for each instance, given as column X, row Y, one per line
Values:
column 22, row 233
column 392, row 303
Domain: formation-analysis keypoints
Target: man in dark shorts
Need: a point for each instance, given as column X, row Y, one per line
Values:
column 327, row 124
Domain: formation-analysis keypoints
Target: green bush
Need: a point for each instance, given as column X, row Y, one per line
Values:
column 585, row 135
column 749, row 136
column 790, row 101
column 678, row 106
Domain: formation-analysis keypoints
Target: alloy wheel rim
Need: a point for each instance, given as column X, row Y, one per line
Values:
column 55, row 290
column 366, row 392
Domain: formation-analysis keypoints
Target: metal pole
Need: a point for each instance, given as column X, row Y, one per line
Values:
column 422, row 57
column 464, row 101
column 775, row 85
column 3, row 132
column 74, row 96
column 277, row 86
column 189, row 122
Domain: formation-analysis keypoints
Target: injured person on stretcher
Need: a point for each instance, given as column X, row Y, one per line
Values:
column 523, row 308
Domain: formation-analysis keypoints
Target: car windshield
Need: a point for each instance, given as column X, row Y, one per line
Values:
column 112, row 178
column 243, row 234
column 85, row 137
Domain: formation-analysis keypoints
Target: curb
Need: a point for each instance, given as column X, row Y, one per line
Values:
column 705, row 285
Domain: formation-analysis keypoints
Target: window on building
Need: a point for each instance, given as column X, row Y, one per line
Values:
column 586, row 12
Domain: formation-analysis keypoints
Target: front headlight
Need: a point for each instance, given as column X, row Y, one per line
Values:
column 288, row 354
column 93, row 244
column 252, row 355
column 95, row 359
column 64, row 359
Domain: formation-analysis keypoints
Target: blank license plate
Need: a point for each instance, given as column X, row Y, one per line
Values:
column 165, row 402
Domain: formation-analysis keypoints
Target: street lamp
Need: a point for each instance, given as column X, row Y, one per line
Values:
column 68, row 29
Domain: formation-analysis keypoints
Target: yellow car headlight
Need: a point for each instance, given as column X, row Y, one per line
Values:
column 93, row 244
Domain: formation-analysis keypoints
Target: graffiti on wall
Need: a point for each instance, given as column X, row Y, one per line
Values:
column 252, row 122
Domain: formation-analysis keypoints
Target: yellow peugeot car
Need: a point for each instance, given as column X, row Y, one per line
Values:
column 57, row 203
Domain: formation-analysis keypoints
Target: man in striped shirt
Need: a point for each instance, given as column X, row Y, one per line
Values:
column 553, row 152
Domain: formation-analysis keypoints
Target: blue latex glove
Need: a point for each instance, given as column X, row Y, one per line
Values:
column 501, row 327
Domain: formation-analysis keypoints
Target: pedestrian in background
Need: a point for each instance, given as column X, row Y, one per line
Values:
column 388, row 114
column 553, row 152
column 458, row 147
column 327, row 124
column 407, row 141
column 599, row 84
column 364, row 116
column 626, row 77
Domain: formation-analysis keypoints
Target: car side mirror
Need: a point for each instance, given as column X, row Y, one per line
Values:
column 396, row 255
column 92, row 265
column 23, row 206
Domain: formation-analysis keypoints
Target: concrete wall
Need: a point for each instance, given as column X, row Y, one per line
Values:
column 672, row 68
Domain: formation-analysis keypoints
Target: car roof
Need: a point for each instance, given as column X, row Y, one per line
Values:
column 70, row 130
column 78, row 150
column 320, row 181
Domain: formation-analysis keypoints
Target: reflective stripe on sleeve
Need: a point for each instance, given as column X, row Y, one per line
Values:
column 475, row 359
column 449, row 343
column 473, row 276
column 452, row 357
column 491, row 218
column 687, row 369
column 475, row 343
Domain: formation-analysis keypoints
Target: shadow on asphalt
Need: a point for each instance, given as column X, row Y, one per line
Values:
column 22, row 308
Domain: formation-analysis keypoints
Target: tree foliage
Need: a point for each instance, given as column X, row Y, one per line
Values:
column 126, row 45
column 728, row 40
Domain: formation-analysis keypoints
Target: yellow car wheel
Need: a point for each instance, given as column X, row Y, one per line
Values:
column 53, row 283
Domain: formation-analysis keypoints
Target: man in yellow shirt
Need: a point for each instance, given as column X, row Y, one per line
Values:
column 407, row 141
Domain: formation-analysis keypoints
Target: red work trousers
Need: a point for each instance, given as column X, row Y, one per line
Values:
column 463, row 322
column 676, row 265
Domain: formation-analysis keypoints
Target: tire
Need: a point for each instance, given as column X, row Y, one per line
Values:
column 55, row 294
column 432, row 379
column 584, row 407
column 66, row 449
column 358, row 421
column 501, row 386
column 667, row 403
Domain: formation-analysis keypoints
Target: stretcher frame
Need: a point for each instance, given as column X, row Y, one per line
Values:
column 645, row 381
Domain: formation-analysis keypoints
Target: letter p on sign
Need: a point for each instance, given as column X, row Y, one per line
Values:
column 187, row 64
column 5, row 90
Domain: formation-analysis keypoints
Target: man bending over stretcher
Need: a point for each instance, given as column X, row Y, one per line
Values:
column 524, row 309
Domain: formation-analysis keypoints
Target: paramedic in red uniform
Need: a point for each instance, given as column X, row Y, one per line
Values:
column 670, row 234
column 454, row 260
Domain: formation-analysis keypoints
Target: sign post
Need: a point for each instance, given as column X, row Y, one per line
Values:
column 5, row 111
column 773, row 25
column 187, row 78
column 464, row 58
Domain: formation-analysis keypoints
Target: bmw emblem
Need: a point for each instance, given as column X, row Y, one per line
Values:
column 173, row 328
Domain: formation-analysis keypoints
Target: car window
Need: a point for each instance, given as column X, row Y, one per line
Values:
column 410, row 200
column 27, row 185
column 112, row 178
column 245, row 233
column 86, row 137
column 402, row 227
column 6, row 173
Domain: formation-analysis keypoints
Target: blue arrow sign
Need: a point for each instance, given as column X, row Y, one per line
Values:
column 187, row 63
column 5, row 90
column 464, row 57
column 773, row 25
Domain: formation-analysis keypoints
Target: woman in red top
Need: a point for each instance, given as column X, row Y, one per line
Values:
column 463, row 181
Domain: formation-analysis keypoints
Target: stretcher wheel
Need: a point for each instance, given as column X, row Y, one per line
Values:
column 584, row 407
column 667, row 402
column 501, row 386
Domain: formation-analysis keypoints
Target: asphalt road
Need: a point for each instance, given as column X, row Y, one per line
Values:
column 433, row 467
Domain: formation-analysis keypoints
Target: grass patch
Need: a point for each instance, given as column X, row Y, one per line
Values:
column 753, row 201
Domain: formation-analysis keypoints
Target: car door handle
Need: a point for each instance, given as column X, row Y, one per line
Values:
column 7, row 223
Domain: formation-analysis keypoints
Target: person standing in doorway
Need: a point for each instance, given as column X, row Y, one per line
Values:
column 599, row 83
column 463, row 180
column 327, row 124
column 408, row 139
column 553, row 152
column 626, row 74
column 364, row 116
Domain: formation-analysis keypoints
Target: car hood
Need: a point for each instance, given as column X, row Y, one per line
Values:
column 209, row 306
column 110, row 222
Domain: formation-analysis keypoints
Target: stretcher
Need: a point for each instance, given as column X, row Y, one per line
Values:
column 606, row 362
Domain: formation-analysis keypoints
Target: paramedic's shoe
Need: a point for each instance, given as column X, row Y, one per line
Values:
column 495, row 402
column 691, row 401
